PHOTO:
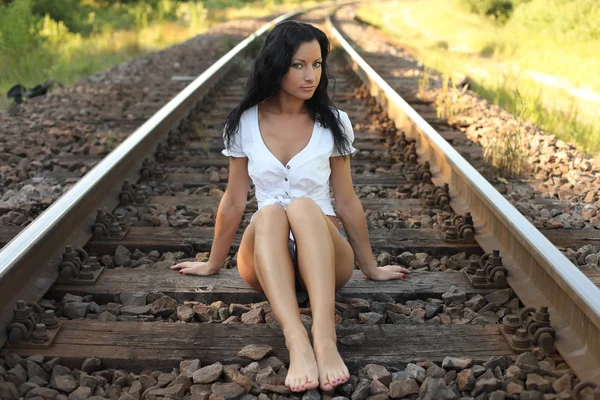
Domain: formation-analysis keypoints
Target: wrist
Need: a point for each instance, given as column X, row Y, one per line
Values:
column 369, row 270
column 213, row 265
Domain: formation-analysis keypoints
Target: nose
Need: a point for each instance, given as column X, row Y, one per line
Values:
column 309, row 75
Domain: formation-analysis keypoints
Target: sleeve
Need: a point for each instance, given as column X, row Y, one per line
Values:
column 236, row 149
column 349, row 132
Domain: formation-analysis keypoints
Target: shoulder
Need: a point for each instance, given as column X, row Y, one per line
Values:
column 248, row 114
column 343, row 117
column 246, row 121
column 340, row 114
column 345, row 121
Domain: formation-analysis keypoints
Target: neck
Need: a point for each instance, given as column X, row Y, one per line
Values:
column 287, row 104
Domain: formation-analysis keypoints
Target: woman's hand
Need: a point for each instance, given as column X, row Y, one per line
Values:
column 196, row 268
column 388, row 272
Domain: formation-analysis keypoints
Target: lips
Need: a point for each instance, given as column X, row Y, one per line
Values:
column 308, row 87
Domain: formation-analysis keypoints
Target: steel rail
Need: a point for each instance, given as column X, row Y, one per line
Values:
column 539, row 274
column 29, row 262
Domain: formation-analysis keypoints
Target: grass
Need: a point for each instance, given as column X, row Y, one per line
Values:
column 448, row 101
column 526, row 71
column 506, row 152
column 33, row 51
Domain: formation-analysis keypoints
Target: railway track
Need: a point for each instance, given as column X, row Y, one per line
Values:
column 123, row 312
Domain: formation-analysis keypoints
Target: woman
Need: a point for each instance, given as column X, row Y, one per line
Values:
column 288, row 138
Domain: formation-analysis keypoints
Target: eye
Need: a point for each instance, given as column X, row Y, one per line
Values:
column 297, row 65
column 317, row 64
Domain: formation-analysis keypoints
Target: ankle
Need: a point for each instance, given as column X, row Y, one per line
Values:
column 295, row 335
column 325, row 333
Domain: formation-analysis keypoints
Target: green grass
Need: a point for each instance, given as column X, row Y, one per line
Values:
column 504, row 59
column 34, row 49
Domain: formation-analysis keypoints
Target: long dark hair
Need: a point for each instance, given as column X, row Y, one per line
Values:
column 272, row 63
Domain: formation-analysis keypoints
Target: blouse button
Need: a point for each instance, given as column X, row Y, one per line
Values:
column 288, row 167
column 286, row 179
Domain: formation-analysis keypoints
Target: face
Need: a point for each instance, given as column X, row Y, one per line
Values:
column 304, row 74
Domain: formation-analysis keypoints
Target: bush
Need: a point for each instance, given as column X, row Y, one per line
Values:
column 569, row 19
column 20, row 41
column 500, row 10
column 564, row 20
column 67, row 11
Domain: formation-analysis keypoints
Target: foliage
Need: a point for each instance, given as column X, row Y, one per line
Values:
column 506, row 150
column 540, row 54
column 500, row 10
column 447, row 103
column 70, row 39
column 22, row 37
column 564, row 20
column 569, row 19
column 67, row 11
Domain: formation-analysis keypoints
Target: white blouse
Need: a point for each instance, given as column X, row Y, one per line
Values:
column 305, row 175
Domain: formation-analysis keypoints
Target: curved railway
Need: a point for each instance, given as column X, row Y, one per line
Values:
column 492, row 306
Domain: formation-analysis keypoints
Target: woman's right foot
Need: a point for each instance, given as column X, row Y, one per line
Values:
column 303, row 373
column 332, row 370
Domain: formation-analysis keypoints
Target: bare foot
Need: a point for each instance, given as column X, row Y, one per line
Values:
column 303, row 373
column 332, row 370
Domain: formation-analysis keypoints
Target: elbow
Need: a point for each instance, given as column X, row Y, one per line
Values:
column 348, row 205
column 235, row 202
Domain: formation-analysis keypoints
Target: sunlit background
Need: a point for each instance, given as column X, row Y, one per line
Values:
column 538, row 59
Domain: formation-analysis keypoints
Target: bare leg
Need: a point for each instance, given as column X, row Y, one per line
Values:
column 316, row 259
column 275, row 274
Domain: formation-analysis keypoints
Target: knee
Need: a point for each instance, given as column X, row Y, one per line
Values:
column 301, row 206
column 268, row 218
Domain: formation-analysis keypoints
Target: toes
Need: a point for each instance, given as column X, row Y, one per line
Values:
column 343, row 376
column 298, row 387
column 326, row 385
column 291, row 383
column 338, row 378
column 310, row 384
column 332, row 378
column 304, row 383
column 301, row 384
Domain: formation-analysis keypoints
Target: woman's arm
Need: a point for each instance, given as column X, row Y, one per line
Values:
column 350, row 211
column 230, row 211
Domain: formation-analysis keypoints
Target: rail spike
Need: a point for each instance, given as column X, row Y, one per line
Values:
column 531, row 328
column 191, row 247
column 78, row 268
column 401, row 140
column 109, row 226
column 131, row 194
column 488, row 272
column 441, row 196
column 410, row 153
column 425, row 173
column 457, row 228
column 152, row 171
column 578, row 391
column 162, row 153
column 32, row 326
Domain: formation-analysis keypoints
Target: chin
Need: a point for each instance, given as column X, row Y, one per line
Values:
column 305, row 96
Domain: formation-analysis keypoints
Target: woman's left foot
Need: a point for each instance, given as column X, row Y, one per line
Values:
column 332, row 370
